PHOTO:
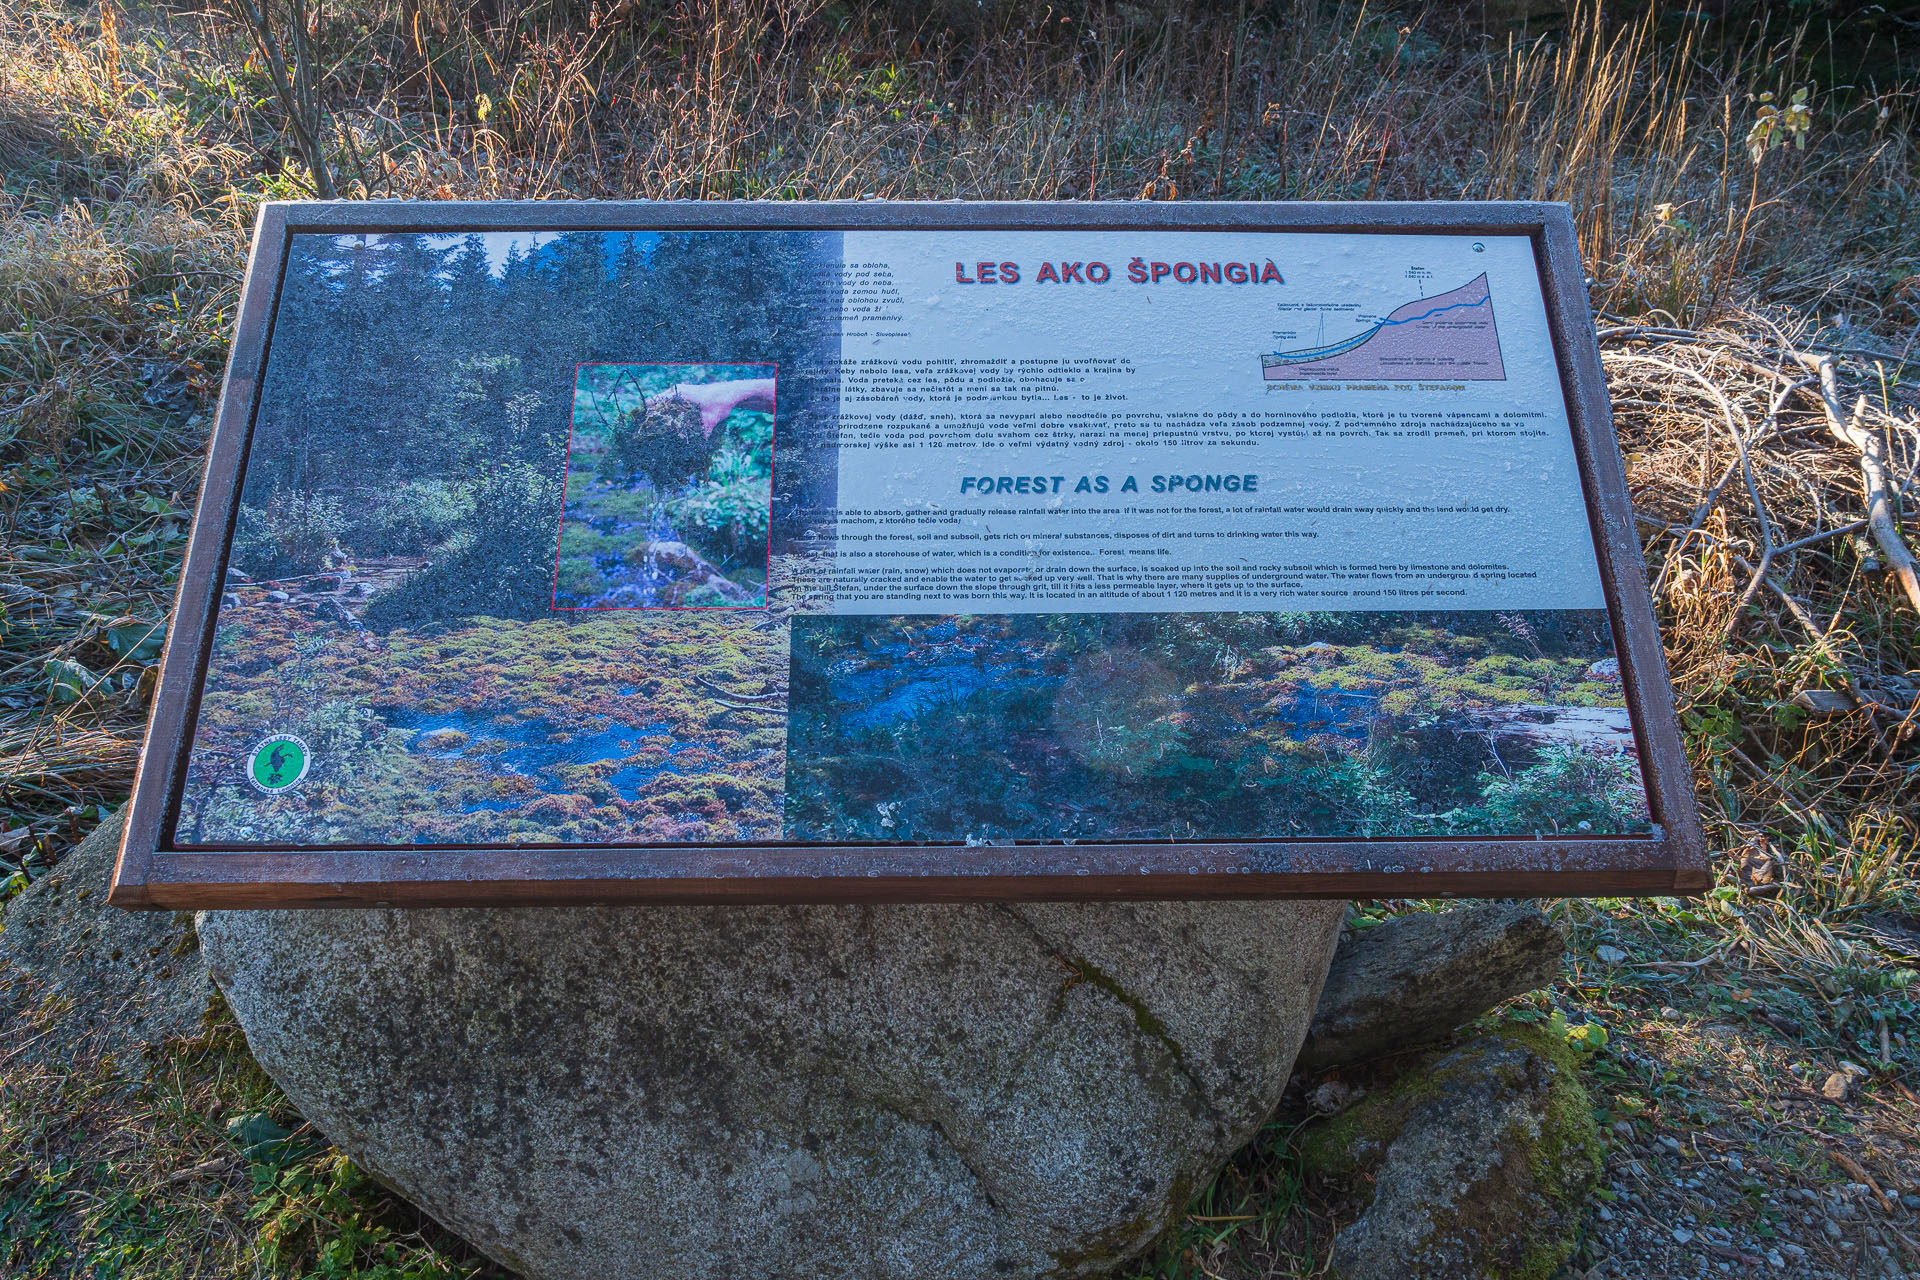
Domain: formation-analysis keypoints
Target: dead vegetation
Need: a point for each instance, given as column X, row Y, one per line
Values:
column 1746, row 196
column 1790, row 631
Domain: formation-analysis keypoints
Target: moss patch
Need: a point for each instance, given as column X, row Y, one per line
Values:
column 1475, row 1162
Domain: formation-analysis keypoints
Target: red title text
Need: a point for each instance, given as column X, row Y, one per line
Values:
column 1139, row 271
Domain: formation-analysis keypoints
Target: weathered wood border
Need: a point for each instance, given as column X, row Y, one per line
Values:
column 1671, row 859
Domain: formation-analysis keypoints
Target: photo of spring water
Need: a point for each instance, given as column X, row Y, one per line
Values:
column 669, row 487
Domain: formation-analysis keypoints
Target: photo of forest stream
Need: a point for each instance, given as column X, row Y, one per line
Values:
column 669, row 488
column 1203, row 726
column 459, row 663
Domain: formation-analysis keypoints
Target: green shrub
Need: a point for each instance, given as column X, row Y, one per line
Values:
column 1567, row 787
column 410, row 520
column 732, row 505
column 498, row 564
column 728, row 512
column 294, row 533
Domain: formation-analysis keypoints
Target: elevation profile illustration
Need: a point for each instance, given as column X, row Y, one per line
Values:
column 1450, row 335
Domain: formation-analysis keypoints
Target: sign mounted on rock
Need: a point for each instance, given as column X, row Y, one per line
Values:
column 789, row 552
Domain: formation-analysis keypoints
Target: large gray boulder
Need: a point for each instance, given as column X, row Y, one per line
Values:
column 115, row 982
column 715, row 1093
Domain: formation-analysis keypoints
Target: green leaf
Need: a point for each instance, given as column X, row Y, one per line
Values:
column 1587, row 1037
column 137, row 641
column 67, row 680
column 264, row 1142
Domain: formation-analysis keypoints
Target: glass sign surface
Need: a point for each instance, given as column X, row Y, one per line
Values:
column 1003, row 537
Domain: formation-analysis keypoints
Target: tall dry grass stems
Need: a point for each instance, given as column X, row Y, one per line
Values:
column 714, row 99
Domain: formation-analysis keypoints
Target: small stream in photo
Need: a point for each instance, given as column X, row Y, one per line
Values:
column 1344, row 713
column 897, row 679
column 623, row 585
column 893, row 680
column 538, row 750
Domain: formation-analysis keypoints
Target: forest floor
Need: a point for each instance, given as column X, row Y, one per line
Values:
column 1756, row 1053
column 603, row 728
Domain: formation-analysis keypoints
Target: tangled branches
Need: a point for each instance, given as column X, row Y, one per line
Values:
column 1769, row 512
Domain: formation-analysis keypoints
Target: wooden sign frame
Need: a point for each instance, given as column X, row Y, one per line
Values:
column 153, row 873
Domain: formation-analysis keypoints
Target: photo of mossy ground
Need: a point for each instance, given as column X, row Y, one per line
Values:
column 1204, row 726
column 669, row 488
column 389, row 593
column 497, row 731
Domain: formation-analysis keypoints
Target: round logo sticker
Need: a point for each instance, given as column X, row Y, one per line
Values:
column 278, row 763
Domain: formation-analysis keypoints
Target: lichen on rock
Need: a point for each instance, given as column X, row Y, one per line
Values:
column 1473, row 1165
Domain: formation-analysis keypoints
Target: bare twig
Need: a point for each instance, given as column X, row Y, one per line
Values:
column 299, row 96
column 1872, row 448
column 766, row 703
column 720, row 692
column 1859, row 1171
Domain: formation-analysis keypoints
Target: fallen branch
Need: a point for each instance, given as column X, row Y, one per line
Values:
column 1627, row 331
column 766, row 703
column 1859, row 1171
column 721, row 692
column 1872, row 449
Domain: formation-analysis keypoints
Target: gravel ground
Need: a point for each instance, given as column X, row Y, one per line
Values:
column 1735, row 1159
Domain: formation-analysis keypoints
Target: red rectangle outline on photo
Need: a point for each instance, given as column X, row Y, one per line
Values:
column 773, row 446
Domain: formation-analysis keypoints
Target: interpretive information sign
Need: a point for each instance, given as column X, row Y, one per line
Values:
column 667, row 552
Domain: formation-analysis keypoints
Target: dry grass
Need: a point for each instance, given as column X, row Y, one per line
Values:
column 188, row 1165
column 136, row 142
column 1795, row 655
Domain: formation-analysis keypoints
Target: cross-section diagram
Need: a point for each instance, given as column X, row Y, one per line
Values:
column 1450, row 335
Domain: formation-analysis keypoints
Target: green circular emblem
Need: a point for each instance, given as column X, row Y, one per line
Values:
column 278, row 763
